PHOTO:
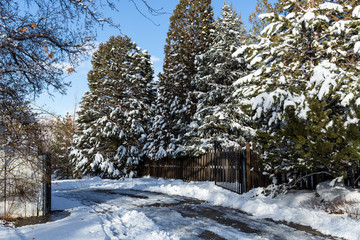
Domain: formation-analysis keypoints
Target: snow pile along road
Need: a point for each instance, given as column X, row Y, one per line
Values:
column 298, row 206
column 106, row 216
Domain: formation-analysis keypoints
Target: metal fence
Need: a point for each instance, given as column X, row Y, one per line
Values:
column 230, row 169
column 225, row 167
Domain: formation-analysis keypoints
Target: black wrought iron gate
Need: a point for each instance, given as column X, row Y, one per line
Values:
column 230, row 169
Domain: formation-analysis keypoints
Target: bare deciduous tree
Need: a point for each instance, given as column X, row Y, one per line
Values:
column 39, row 41
column 38, row 36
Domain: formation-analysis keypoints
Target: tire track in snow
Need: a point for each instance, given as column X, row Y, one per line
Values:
column 118, row 222
column 194, row 220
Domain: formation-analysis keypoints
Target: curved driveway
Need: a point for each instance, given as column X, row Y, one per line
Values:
column 185, row 217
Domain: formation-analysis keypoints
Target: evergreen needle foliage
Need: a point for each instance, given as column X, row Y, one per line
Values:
column 217, row 117
column 114, row 114
column 262, row 6
column 304, row 91
column 188, row 36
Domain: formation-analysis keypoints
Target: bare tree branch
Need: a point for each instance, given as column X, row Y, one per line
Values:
column 37, row 38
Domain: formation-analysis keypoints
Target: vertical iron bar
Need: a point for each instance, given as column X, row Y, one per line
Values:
column 215, row 163
column 238, row 159
column 244, row 189
column 5, row 169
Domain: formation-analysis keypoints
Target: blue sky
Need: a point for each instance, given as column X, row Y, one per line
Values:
column 141, row 30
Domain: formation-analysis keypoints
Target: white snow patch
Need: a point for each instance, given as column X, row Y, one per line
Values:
column 194, row 125
column 245, row 79
column 338, row 27
column 356, row 12
column 308, row 16
column 135, row 225
column 345, row 102
column 357, row 48
column 331, row 6
column 266, row 15
column 323, row 79
column 256, row 60
column 290, row 15
column 239, row 51
column 322, row 17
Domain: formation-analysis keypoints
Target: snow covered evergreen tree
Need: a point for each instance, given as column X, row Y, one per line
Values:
column 217, row 118
column 304, row 94
column 188, row 37
column 114, row 114
column 262, row 6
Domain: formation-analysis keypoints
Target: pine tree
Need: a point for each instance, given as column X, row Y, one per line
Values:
column 217, row 119
column 188, row 36
column 304, row 92
column 114, row 114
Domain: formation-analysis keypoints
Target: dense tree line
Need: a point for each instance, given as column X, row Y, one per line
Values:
column 290, row 86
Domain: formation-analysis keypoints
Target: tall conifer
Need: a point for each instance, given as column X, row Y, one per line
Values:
column 114, row 114
column 217, row 119
column 188, row 36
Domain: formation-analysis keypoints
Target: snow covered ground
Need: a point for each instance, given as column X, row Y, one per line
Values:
column 106, row 216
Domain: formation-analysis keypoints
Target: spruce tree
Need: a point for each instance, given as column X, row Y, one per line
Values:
column 114, row 114
column 217, row 119
column 188, row 36
column 304, row 92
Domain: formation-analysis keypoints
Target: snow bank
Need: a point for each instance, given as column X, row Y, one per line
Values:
column 297, row 207
column 301, row 207
column 293, row 207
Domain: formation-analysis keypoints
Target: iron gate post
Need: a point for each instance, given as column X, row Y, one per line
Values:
column 216, row 145
column 5, row 169
column 244, row 189
column 214, row 162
